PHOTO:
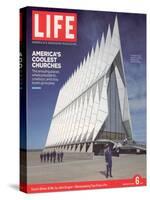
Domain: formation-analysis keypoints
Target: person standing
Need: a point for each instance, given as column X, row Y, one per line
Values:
column 58, row 156
column 51, row 156
column 108, row 160
column 61, row 156
column 54, row 156
column 47, row 155
column 41, row 157
column 44, row 157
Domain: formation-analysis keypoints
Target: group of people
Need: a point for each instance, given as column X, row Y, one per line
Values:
column 58, row 156
column 52, row 156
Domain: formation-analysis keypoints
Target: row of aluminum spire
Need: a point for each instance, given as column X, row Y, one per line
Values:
column 82, row 103
column 92, row 67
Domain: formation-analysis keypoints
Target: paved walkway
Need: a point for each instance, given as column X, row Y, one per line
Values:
column 126, row 166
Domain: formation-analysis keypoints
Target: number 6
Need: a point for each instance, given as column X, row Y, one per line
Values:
column 137, row 180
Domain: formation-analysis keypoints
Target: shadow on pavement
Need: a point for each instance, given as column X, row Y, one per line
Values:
column 14, row 186
column 102, row 173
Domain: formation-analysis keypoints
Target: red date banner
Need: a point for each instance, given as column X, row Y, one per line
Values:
column 87, row 185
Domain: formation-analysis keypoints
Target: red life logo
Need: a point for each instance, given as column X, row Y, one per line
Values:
column 54, row 26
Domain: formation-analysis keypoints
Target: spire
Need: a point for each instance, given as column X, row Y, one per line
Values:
column 116, row 28
column 108, row 39
column 92, row 53
column 102, row 42
column 106, row 53
column 115, row 43
column 88, row 56
column 101, row 50
column 116, row 37
column 84, row 61
column 97, row 46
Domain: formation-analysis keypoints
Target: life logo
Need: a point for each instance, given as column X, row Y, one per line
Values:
column 54, row 26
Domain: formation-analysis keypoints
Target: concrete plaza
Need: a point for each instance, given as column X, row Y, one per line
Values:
column 125, row 166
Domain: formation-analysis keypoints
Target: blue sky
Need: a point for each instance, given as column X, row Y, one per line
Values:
column 91, row 25
column 136, row 83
